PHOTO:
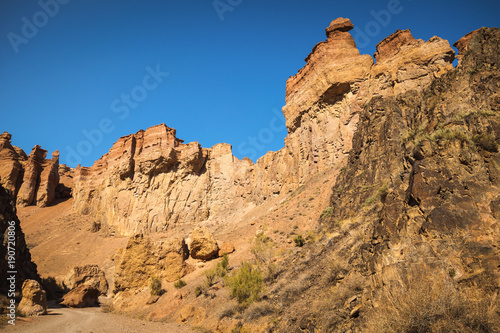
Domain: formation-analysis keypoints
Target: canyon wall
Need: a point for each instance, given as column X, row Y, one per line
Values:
column 33, row 179
column 151, row 181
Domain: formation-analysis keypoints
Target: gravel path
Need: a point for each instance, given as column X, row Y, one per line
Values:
column 89, row 320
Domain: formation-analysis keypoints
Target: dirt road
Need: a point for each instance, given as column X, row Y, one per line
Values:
column 89, row 320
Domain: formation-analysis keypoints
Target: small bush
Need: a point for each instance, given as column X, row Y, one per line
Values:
column 298, row 240
column 486, row 142
column 210, row 277
column 258, row 310
column 180, row 283
column 327, row 212
column 201, row 289
column 155, row 287
column 449, row 135
column 246, row 284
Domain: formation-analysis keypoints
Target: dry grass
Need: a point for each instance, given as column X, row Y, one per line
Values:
column 258, row 310
column 433, row 304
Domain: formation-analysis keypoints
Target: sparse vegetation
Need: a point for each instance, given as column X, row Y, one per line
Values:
column 434, row 305
column 486, row 141
column 257, row 310
column 381, row 192
column 246, row 284
column 448, row 134
column 155, row 287
column 264, row 253
column 180, row 284
column 298, row 240
column 212, row 276
column 200, row 289
column 327, row 212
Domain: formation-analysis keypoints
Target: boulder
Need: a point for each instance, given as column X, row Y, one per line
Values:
column 203, row 244
column 34, row 301
column 89, row 275
column 81, row 296
column 226, row 248
column 144, row 258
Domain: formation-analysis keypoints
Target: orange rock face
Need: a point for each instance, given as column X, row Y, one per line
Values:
column 151, row 181
column 32, row 179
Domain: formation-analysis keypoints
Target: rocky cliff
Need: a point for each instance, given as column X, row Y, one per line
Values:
column 13, row 240
column 413, row 217
column 33, row 179
column 151, row 181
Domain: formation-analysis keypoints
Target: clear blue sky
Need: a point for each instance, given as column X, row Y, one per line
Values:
column 86, row 65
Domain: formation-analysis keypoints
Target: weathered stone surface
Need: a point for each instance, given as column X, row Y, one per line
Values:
column 226, row 248
column 430, row 179
column 151, row 181
column 203, row 244
column 11, row 169
column 10, row 231
column 34, row 301
column 81, row 297
column 463, row 43
column 144, row 258
column 32, row 179
column 89, row 275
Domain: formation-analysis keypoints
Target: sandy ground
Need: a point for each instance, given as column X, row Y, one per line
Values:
column 89, row 320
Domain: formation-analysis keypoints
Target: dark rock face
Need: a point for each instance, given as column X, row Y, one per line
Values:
column 424, row 172
column 417, row 205
column 25, row 268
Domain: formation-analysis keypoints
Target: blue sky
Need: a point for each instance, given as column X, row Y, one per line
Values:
column 76, row 75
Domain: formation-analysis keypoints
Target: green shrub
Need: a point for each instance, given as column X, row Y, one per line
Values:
column 225, row 262
column 201, row 289
column 327, row 212
column 298, row 240
column 180, row 283
column 246, row 284
column 210, row 277
column 155, row 287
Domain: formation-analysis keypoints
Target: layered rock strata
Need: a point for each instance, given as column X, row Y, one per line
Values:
column 150, row 181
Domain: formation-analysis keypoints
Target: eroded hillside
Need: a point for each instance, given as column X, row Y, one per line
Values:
column 379, row 214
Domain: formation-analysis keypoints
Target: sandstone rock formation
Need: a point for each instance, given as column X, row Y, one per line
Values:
column 226, row 248
column 144, row 258
column 32, row 179
column 10, row 231
column 89, row 275
column 203, row 244
column 414, row 216
column 81, row 297
column 151, row 181
column 34, row 301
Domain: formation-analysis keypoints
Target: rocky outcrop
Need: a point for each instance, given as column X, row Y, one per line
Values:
column 34, row 301
column 32, row 179
column 144, row 258
column 81, row 297
column 421, row 184
column 462, row 44
column 151, row 181
column 89, row 275
column 203, row 244
column 14, row 254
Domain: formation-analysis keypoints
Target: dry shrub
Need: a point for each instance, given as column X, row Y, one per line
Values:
column 433, row 304
column 258, row 310
column 351, row 285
